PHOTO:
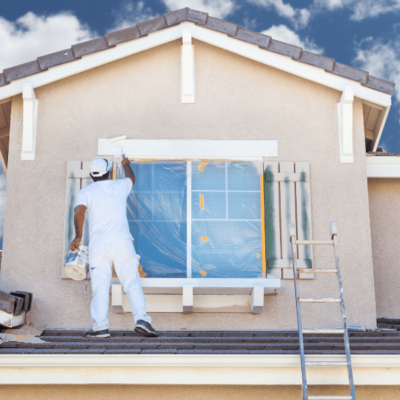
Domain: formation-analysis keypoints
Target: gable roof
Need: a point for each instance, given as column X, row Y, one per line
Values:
column 170, row 19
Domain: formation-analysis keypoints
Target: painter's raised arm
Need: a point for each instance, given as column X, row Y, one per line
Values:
column 128, row 170
column 79, row 219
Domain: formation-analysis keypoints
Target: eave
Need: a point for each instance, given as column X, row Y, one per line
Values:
column 280, row 369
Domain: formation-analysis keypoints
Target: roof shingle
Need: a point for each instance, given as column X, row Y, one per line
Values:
column 200, row 18
column 212, row 342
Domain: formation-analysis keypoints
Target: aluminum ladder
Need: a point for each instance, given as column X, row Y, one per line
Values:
column 304, row 363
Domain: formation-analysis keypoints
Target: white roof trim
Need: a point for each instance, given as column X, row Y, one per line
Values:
column 218, row 39
column 188, row 369
column 383, row 166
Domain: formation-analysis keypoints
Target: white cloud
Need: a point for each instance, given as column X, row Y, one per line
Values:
column 360, row 9
column 372, row 8
column 285, row 34
column 130, row 13
column 216, row 8
column 31, row 36
column 380, row 59
column 299, row 17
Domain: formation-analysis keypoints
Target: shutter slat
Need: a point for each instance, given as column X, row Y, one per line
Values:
column 303, row 205
column 272, row 222
column 75, row 171
column 72, row 190
column 85, row 233
column 288, row 215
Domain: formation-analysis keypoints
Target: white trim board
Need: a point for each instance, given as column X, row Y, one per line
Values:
column 188, row 369
column 190, row 148
column 208, row 285
column 217, row 39
column 383, row 166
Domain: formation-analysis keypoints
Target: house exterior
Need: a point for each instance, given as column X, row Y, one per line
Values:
column 235, row 136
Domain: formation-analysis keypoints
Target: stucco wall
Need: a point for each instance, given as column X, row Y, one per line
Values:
column 384, row 200
column 118, row 392
column 236, row 98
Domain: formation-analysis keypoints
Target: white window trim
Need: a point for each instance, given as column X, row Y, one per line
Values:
column 241, row 150
column 175, row 149
column 189, row 369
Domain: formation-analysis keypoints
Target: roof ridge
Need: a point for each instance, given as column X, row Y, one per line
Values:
column 265, row 42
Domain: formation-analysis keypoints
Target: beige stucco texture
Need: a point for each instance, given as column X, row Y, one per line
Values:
column 206, row 392
column 384, row 200
column 236, row 98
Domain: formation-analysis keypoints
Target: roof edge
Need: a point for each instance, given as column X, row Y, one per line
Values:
column 200, row 18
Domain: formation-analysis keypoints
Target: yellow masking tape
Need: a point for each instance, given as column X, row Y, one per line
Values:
column 202, row 165
column 205, row 238
column 142, row 274
column 264, row 259
column 202, row 202
column 203, row 272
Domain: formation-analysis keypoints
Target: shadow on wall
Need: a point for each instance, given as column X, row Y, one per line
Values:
column 3, row 188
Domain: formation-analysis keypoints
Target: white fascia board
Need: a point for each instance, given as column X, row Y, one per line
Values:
column 383, row 167
column 190, row 148
column 188, row 369
column 214, row 38
column 93, row 60
column 287, row 64
column 379, row 128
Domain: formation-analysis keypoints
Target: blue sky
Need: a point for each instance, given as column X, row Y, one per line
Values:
column 365, row 34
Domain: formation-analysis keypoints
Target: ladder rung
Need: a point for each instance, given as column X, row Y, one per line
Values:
column 317, row 271
column 330, row 397
column 323, row 330
column 315, row 242
column 319, row 300
column 326, row 363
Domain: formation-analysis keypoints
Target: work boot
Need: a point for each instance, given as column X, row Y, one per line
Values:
column 145, row 329
column 100, row 334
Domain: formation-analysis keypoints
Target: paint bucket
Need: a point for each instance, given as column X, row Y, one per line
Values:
column 77, row 266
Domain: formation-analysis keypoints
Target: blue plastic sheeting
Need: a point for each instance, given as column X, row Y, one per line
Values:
column 223, row 218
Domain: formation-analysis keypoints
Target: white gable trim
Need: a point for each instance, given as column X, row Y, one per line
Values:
column 29, row 122
column 217, row 39
column 345, row 114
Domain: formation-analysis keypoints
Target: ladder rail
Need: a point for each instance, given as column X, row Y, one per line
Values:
column 304, row 387
column 346, row 333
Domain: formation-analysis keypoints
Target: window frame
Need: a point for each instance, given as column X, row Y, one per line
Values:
column 189, row 205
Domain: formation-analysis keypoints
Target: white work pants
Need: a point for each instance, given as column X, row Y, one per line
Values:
column 122, row 255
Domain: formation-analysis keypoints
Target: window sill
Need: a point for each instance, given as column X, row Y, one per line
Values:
column 199, row 295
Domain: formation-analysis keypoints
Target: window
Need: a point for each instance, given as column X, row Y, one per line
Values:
column 197, row 219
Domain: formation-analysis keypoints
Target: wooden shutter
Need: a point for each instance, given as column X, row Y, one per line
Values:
column 77, row 178
column 287, row 200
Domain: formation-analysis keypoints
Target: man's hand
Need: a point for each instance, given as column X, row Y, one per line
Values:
column 125, row 161
column 126, row 165
column 75, row 243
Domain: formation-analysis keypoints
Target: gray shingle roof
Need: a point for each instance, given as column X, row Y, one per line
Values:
column 203, row 19
column 211, row 342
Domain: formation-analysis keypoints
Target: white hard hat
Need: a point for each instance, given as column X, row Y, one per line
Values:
column 99, row 167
